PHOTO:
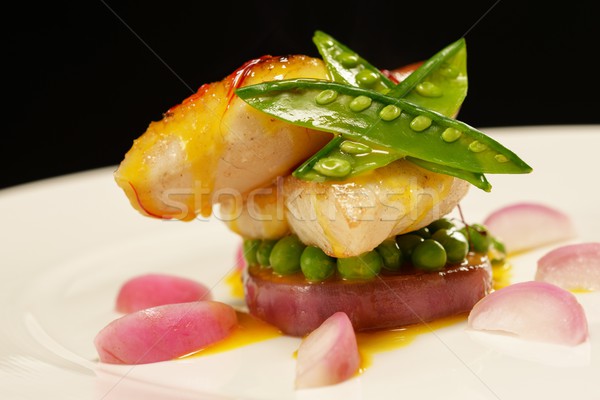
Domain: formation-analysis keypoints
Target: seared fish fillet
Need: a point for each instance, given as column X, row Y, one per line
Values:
column 351, row 217
column 213, row 145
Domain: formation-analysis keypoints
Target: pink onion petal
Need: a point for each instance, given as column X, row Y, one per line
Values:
column 532, row 310
column 575, row 266
column 153, row 290
column 329, row 354
column 525, row 226
column 164, row 332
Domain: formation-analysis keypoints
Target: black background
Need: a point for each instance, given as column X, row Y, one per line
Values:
column 83, row 79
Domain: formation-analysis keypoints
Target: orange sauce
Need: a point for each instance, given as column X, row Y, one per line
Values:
column 250, row 330
column 235, row 283
column 371, row 343
column 501, row 274
column 580, row 290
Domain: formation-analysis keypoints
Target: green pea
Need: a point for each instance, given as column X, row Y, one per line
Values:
column 390, row 112
column 429, row 256
column 428, row 89
column 451, row 135
column 333, row 167
column 391, row 254
column 364, row 266
column 326, row 97
column 350, row 147
column 316, row 265
column 348, row 60
column 285, row 256
column 420, row 123
column 477, row 147
column 367, row 78
column 264, row 251
column 407, row 242
column 455, row 243
column 360, row 103
column 424, row 232
column 328, row 43
column 449, row 71
column 478, row 238
column 249, row 248
column 442, row 223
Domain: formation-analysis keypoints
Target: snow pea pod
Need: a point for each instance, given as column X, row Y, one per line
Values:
column 444, row 75
column 446, row 72
column 387, row 124
column 346, row 66
column 440, row 83
column 476, row 179
column 359, row 161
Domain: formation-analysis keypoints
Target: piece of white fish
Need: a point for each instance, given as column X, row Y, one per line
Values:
column 351, row 217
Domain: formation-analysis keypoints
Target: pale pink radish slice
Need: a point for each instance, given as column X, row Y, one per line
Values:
column 525, row 226
column 152, row 290
column 329, row 354
column 532, row 310
column 575, row 266
column 164, row 332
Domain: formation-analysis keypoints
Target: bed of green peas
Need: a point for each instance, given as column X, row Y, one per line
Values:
column 407, row 243
column 454, row 242
column 285, row 255
column 428, row 249
column 429, row 255
column 478, row 237
column 365, row 266
column 249, row 248
column 316, row 265
column 391, row 254
column 440, row 242
column 263, row 252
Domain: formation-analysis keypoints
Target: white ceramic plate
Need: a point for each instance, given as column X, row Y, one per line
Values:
column 68, row 243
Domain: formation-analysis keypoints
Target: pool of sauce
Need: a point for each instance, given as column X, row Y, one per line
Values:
column 371, row 343
column 253, row 330
column 249, row 330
